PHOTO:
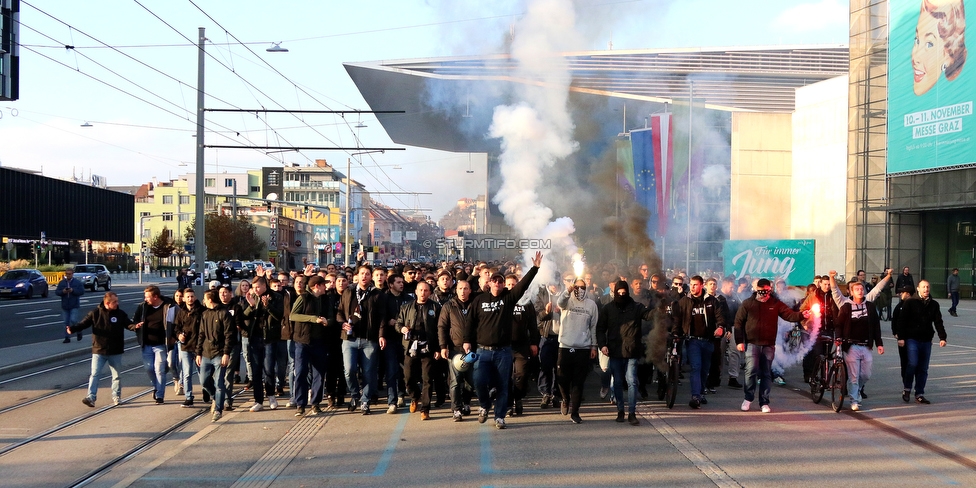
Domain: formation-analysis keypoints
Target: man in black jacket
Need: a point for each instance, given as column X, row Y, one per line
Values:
column 525, row 346
column 417, row 322
column 187, row 328
column 108, row 325
column 915, row 332
column 490, row 331
column 214, row 346
column 450, row 331
column 263, row 310
column 153, row 323
column 618, row 334
column 702, row 321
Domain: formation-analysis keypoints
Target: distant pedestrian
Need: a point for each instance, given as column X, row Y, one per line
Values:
column 183, row 280
column 70, row 289
column 904, row 279
column 108, row 324
column 952, row 284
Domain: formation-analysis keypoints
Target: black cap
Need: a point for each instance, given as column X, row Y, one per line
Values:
column 906, row 289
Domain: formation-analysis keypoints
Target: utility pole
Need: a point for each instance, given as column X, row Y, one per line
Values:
column 200, row 241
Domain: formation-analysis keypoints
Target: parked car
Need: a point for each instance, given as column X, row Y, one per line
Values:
column 23, row 283
column 249, row 267
column 238, row 268
column 209, row 271
column 94, row 276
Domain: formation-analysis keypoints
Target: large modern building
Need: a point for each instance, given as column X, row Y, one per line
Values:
column 736, row 108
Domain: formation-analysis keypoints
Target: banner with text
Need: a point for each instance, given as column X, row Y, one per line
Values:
column 790, row 259
column 930, row 95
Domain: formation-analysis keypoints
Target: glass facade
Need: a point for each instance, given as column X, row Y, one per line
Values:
column 950, row 242
column 868, row 242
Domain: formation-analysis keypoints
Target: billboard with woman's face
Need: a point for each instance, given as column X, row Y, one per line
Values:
column 930, row 88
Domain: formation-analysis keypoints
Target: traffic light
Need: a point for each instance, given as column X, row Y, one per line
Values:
column 269, row 207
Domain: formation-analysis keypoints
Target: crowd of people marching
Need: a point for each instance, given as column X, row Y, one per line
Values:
column 422, row 336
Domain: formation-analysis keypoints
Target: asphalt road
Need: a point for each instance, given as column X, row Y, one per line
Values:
column 39, row 319
column 889, row 443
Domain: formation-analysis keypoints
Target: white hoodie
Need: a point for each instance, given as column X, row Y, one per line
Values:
column 577, row 320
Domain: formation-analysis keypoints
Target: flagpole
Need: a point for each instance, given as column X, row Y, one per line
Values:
column 691, row 97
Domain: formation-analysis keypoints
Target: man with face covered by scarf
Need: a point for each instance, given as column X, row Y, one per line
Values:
column 755, row 334
column 577, row 345
column 618, row 333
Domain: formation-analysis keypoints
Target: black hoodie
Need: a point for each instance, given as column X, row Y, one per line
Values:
column 108, row 330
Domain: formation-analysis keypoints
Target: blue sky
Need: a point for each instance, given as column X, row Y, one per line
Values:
column 132, row 141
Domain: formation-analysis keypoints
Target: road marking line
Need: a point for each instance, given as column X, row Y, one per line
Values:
column 41, row 325
column 715, row 473
column 42, row 317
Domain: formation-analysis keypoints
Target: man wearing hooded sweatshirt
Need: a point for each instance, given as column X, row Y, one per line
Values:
column 215, row 343
column 108, row 325
column 187, row 327
column 701, row 319
column 490, row 331
column 577, row 345
column 618, row 333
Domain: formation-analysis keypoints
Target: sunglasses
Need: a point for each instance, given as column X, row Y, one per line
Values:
column 762, row 292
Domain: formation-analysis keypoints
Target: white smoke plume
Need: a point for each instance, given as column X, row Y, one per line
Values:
column 536, row 131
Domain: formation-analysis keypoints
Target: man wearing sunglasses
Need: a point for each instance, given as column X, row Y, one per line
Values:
column 755, row 334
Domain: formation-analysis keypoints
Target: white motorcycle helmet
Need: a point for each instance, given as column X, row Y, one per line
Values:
column 463, row 362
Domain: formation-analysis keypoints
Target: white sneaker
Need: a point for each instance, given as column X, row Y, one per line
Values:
column 257, row 407
column 500, row 423
column 855, row 406
column 745, row 405
column 273, row 402
column 766, row 409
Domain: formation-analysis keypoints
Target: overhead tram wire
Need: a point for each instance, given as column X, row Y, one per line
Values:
column 126, row 92
column 358, row 141
column 78, row 70
column 228, row 68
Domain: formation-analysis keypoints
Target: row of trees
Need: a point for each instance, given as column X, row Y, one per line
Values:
column 227, row 238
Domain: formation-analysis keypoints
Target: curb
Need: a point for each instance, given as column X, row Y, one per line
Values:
column 62, row 356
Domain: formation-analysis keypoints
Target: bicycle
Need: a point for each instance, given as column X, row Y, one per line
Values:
column 818, row 382
column 837, row 379
column 673, row 358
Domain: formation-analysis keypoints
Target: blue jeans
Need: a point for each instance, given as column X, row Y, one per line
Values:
column 493, row 368
column 173, row 362
column 275, row 365
column 393, row 353
column 98, row 362
column 548, row 353
column 624, row 369
column 700, row 358
column 246, row 358
column 955, row 300
column 212, row 380
column 759, row 360
column 291, row 369
column 69, row 318
column 154, row 360
column 859, row 361
column 309, row 358
column 187, row 365
column 356, row 354
column 255, row 361
column 917, row 368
